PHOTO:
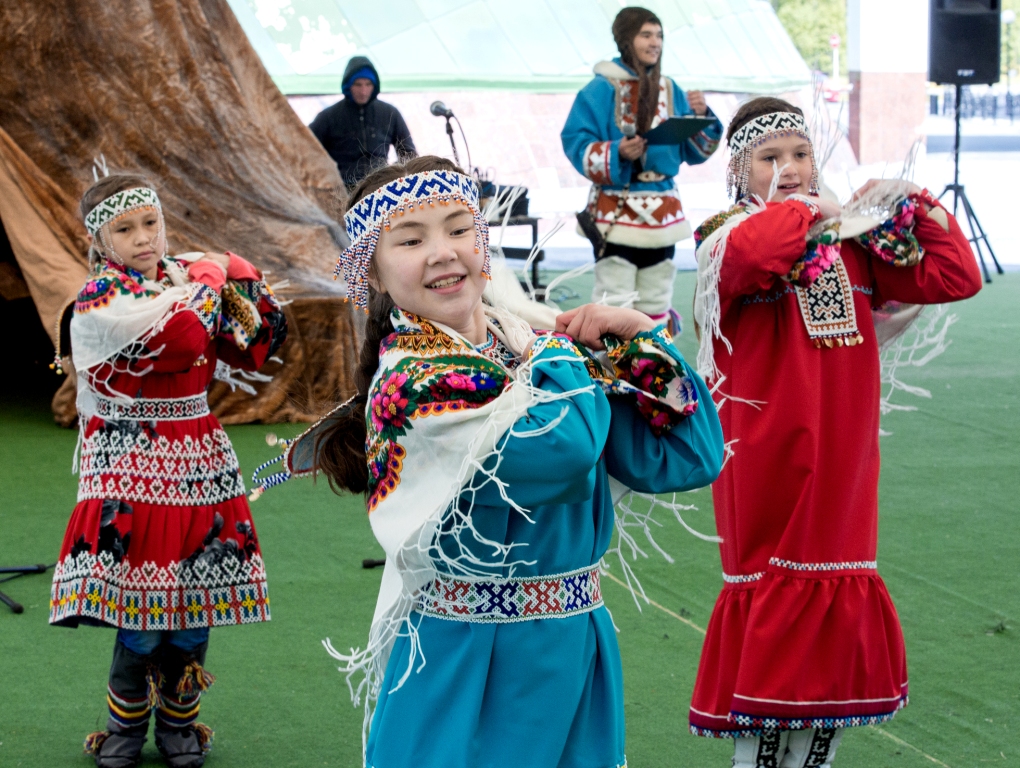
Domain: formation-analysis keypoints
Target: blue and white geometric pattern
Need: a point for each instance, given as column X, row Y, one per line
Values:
column 398, row 195
column 367, row 218
column 118, row 204
column 515, row 599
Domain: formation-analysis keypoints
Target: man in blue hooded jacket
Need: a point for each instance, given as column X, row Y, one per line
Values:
column 358, row 130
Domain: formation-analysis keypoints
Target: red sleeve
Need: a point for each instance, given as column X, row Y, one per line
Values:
column 187, row 333
column 270, row 337
column 947, row 272
column 764, row 247
column 208, row 273
column 240, row 269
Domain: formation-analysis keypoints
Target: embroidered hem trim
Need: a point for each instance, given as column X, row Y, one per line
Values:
column 153, row 409
column 148, row 597
column 753, row 725
column 514, row 599
column 851, row 565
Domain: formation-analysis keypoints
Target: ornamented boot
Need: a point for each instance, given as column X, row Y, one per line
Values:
column 130, row 695
column 182, row 740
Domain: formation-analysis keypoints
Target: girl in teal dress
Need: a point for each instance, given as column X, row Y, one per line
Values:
column 485, row 451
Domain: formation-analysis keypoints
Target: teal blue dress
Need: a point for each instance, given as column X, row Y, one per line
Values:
column 544, row 693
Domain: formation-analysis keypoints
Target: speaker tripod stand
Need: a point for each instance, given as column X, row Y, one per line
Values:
column 19, row 570
column 977, row 232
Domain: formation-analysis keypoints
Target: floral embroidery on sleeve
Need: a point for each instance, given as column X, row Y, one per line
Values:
column 893, row 240
column 241, row 319
column 821, row 251
column 205, row 303
column 665, row 394
column 711, row 224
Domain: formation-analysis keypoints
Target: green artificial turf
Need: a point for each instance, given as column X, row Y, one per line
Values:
column 948, row 551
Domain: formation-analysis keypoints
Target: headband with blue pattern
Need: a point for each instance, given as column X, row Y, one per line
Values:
column 372, row 213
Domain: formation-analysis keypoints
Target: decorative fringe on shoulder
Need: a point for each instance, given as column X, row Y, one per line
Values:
column 707, row 309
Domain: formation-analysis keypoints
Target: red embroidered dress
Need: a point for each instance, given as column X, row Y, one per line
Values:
column 162, row 537
column 804, row 633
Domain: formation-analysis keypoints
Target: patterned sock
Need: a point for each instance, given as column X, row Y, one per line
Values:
column 763, row 751
column 184, row 679
column 812, row 748
column 128, row 691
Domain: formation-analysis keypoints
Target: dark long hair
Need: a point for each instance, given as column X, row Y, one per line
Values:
column 341, row 447
column 626, row 27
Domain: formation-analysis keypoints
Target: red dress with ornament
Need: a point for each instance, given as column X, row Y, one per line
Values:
column 804, row 633
column 162, row 537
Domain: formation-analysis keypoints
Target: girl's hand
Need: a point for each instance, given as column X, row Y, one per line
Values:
column 632, row 147
column 909, row 188
column 217, row 258
column 590, row 322
column 696, row 101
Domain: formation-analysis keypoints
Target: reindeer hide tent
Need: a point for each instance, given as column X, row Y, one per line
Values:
column 171, row 88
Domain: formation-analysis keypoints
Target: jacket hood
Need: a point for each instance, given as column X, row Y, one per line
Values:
column 354, row 66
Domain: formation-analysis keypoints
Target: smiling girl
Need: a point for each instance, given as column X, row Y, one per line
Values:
column 161, row 544
column 485, row 452
column 804, row 640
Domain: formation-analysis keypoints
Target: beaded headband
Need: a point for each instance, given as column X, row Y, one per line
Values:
column 119, row 203
column 754, row 134
column 374, row 212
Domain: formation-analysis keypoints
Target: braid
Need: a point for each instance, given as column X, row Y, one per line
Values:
column 340, row 448
column 626, row 27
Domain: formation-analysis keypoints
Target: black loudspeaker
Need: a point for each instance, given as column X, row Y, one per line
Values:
column 964, row 41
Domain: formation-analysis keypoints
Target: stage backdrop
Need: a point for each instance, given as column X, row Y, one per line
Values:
column 535, row 46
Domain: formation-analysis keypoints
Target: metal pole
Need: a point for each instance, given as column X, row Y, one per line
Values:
column 956, row 150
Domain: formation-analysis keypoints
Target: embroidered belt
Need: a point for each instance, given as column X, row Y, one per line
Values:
column 852, row 565
column 515, row 599
column 742, row 578
column 153, row 409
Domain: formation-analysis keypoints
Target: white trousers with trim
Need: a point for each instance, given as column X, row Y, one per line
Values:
column 616, row 279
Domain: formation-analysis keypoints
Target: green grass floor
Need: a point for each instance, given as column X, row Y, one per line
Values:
column 950, row 532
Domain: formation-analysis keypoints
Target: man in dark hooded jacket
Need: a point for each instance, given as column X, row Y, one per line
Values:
column 358, row 130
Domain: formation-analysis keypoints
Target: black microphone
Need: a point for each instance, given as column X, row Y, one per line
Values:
column 439, row 109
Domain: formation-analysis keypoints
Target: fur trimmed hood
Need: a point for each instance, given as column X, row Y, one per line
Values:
column 614, row 70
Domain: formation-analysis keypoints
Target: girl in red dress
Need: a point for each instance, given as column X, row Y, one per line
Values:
column 161, row 543
column 804, row 640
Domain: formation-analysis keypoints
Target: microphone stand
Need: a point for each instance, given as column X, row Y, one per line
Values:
column 19, row 570
column 449, row 132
